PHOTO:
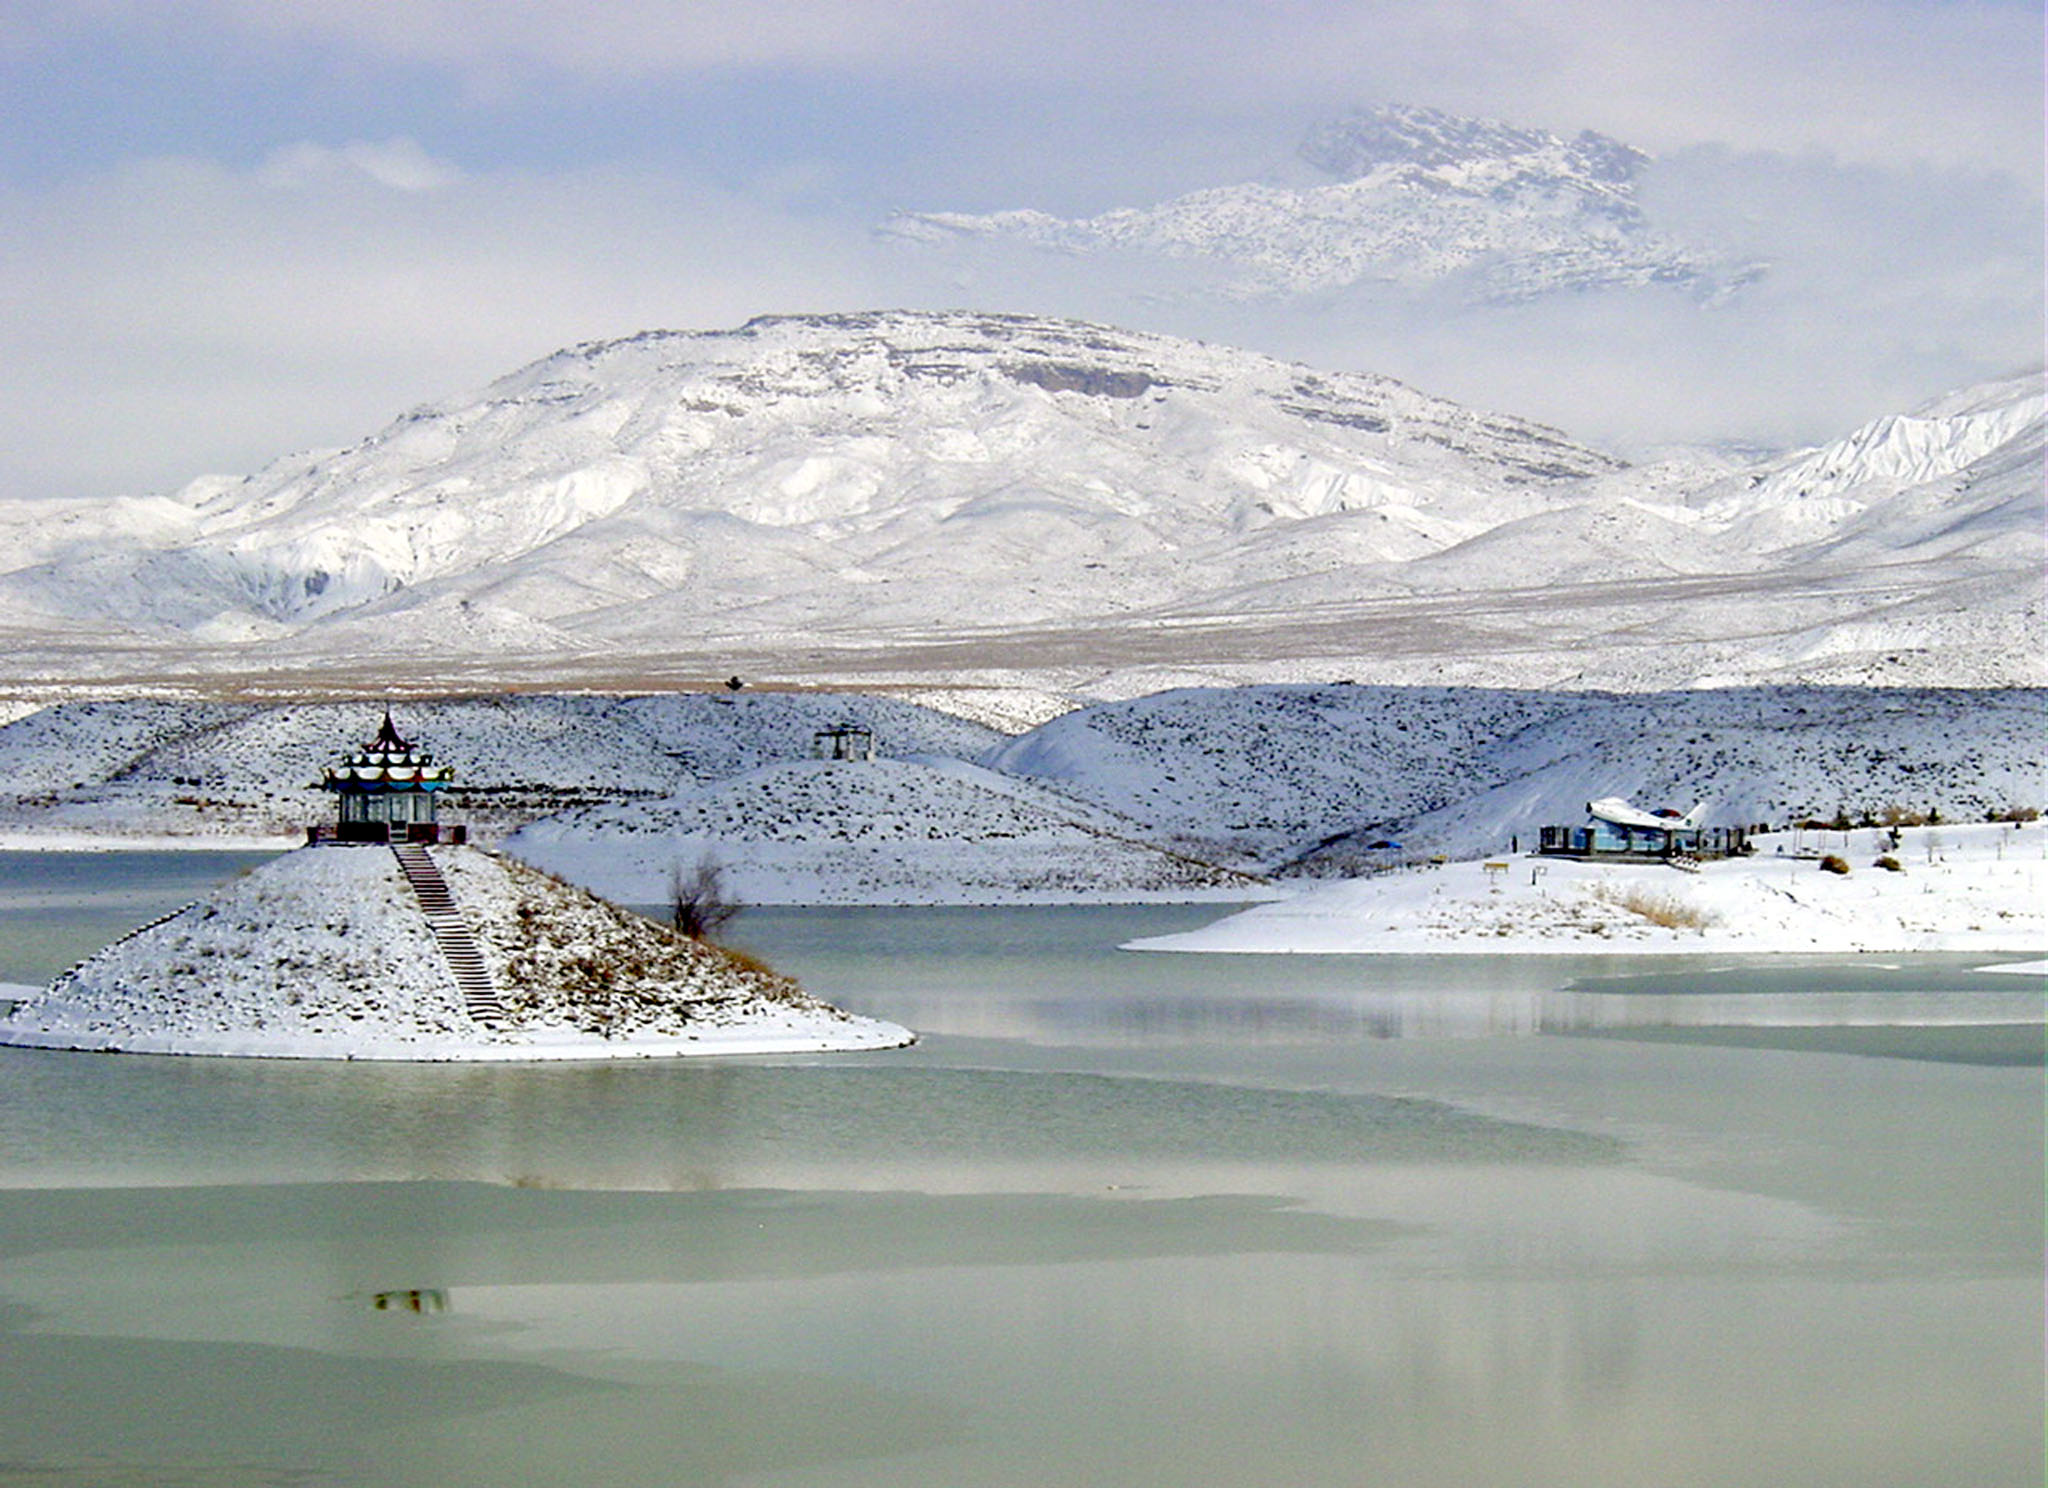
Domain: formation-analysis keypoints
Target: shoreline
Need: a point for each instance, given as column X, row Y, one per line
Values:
column 1977, row 889
column 763, row 1035
column 94, row 842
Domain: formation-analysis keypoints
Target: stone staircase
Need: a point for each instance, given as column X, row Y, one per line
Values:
column 451, row 932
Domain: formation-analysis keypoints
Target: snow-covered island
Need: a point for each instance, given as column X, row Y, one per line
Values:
column 328, row 953
column 1979, row 887
column 389, row 937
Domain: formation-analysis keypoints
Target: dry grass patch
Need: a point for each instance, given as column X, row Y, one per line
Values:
column 1658, row 906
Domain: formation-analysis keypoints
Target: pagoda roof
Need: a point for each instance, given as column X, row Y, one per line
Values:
column 388, row 762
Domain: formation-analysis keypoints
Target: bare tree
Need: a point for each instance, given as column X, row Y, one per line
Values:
column 698, row 904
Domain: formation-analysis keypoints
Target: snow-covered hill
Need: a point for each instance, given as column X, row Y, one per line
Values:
column 1307, row 779
column 1419, row 198
column 884, row 831
column 192, row 770
column 1174, row 795
column 960, row 500
column 327, row 954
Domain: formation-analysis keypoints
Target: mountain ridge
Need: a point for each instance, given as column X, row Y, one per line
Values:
column 945, row 497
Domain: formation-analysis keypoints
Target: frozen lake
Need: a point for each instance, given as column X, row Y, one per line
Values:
column 1118, row 1218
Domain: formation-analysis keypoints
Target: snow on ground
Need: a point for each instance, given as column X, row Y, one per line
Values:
column 1266, row 776
column 1145, row 799
column 928, row 831
column 153, row 769
column 957, row 500
column 1259, row 773
column 325, row 953
column 1971, row 888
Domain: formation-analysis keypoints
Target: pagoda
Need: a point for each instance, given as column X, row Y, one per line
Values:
column 387, row 792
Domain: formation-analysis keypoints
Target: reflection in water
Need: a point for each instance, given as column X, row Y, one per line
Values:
column 684, row 1127
column 416, row 1299
column 1062, row 981
column 1571, row 1012
column 1437, row 997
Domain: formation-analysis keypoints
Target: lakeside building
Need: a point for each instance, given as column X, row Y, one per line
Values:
column 387, row 791
column 1615, row 829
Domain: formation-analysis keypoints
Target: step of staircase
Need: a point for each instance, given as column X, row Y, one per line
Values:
column 459, row 950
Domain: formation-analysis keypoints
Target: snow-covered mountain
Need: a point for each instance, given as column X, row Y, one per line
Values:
column 1417, row 198
column 948, row 499
column 893, row 476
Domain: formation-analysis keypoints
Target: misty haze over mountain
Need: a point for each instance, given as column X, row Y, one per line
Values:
column 206, row 317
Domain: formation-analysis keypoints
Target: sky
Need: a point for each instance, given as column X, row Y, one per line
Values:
column 233, row 230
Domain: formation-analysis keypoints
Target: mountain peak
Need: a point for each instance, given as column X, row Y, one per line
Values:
column 1420, row 198
column 1370, row 139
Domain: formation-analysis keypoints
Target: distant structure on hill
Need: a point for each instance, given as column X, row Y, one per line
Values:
column 843, row 741
column 388, row 791
column 1615, row 829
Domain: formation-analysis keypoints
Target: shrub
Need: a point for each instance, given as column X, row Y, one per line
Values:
column 698, row 904
column 1834, row 863
column 1889, row 863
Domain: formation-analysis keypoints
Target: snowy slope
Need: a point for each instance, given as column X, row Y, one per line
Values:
column 1256, row 772
column 1972, row 888
column 954, row 501
column 184, row 769
column 1967, row 461
column 1156, row 797
column 1756, row 756
column 1309, row 777
column 1419, row 198
column 881, row 832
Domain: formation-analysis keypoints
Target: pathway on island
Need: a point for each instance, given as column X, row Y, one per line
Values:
column 451, row 932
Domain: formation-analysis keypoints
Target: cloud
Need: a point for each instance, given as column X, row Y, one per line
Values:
column 1884, row 288
column 398, row 163
column 1952, row 81
column 280, row 222
column 176, row 317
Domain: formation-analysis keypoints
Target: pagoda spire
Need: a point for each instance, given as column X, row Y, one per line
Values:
column 388, row 738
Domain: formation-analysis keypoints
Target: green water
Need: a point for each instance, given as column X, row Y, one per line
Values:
column 1116, row 1219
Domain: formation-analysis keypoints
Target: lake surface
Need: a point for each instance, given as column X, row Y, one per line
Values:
column 1118, row 1218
